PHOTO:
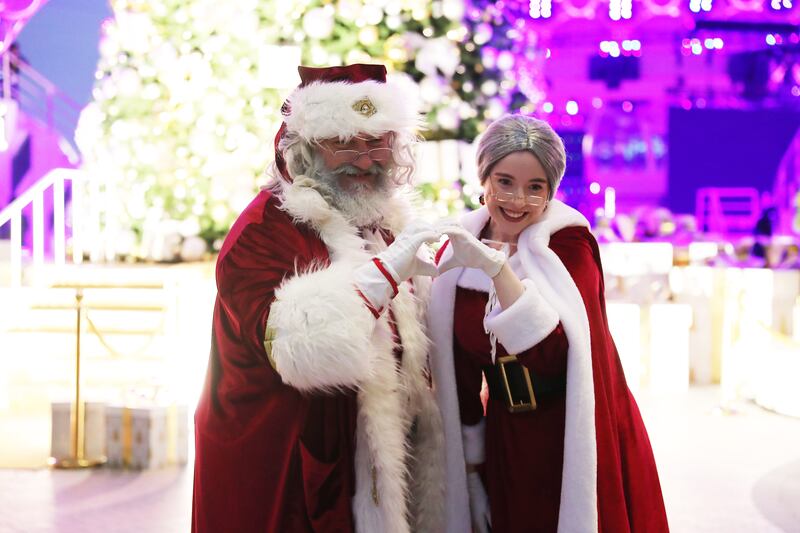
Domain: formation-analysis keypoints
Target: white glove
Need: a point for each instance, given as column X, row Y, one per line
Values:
column 402, row 260
column 478, row 504
column 470, row 252
column 402, row 257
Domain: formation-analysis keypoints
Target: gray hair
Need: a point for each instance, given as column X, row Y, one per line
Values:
column 300, row 152
column 519, row 133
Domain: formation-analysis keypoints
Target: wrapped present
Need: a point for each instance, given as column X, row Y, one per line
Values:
column 94, row 430
column 118, row 436
column 177, row 434
column 94, row 438
column 61, row 431
column 146, row 437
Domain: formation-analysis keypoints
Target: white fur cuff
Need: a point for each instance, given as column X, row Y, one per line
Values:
column 525, row 323
column 322, row 330
column 474, row 438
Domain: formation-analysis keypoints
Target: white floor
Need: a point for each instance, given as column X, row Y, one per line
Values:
column 721, row 472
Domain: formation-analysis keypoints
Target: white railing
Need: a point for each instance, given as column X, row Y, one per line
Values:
column 35, row 197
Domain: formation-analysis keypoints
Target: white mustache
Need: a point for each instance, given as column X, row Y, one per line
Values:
column 350, row 170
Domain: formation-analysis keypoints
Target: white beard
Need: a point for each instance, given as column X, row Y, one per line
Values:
column 362, row 205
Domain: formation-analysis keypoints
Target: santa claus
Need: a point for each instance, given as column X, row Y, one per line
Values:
column 317, row 412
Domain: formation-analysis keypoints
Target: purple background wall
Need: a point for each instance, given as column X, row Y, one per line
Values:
column 725, row 148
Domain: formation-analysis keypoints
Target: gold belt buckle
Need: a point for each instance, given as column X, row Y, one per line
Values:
column 521, row 406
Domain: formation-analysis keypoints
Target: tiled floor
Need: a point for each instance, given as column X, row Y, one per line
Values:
column 721, row 472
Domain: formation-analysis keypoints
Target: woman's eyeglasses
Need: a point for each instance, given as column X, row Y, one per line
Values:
column 507, row 196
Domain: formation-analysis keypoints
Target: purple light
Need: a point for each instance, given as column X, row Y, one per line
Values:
column 696, row 6
column 540, row 9
column 620, row 9
column 627, row 106
column 505, row 60
column 572, row 107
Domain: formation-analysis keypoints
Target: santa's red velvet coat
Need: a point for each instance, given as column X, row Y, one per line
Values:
column 583, row 463
column 323, row 440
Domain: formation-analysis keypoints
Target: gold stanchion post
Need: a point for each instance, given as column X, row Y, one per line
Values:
column 78, row 411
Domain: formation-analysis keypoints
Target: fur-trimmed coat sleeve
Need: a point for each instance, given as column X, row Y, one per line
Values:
column 278, row 276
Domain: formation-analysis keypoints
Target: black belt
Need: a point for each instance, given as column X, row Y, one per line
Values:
column 511, row 380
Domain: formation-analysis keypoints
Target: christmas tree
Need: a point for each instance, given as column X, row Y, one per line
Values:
column 180, row 125
column 501, row 64
column 186, row 100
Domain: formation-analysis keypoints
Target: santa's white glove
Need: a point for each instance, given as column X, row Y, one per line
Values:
column 379, row 279
column 478, row 504
column 470, row 252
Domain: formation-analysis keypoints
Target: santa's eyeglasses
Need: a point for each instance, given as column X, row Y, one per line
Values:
column 378, row 155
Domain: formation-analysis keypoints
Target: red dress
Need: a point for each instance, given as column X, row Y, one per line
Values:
column 525, row 451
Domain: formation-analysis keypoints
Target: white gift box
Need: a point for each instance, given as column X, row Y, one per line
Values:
column 178, row 434
column 94, row 441
column 146, row 437
column 115, row 436
column 61, row 431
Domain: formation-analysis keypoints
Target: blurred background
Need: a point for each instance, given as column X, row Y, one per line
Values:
column 133, row 132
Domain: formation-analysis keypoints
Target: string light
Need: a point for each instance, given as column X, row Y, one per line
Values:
column 540, row 9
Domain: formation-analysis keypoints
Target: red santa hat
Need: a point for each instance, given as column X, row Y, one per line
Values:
column 342, row 102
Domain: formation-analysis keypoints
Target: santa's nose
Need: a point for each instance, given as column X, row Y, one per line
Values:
column 363, row 162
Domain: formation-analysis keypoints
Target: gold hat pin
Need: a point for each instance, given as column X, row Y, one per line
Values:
column 365, row 107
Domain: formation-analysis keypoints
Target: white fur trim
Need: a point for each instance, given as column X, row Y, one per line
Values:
column 440, row 326
column 474, row 439
column 578, row 512
column 409, row 472
column 323, row 110
column 525, row 323
column 474, row 279
column 321, row 326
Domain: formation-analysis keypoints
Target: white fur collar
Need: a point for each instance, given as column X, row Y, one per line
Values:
column 557, row 216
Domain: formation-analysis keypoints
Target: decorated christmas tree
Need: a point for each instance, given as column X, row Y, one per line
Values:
column 499, row 71
column 188, row 95
column 182, row 117
column 501, row 64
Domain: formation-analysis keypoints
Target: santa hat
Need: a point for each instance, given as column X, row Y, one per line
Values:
column 342, row 102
